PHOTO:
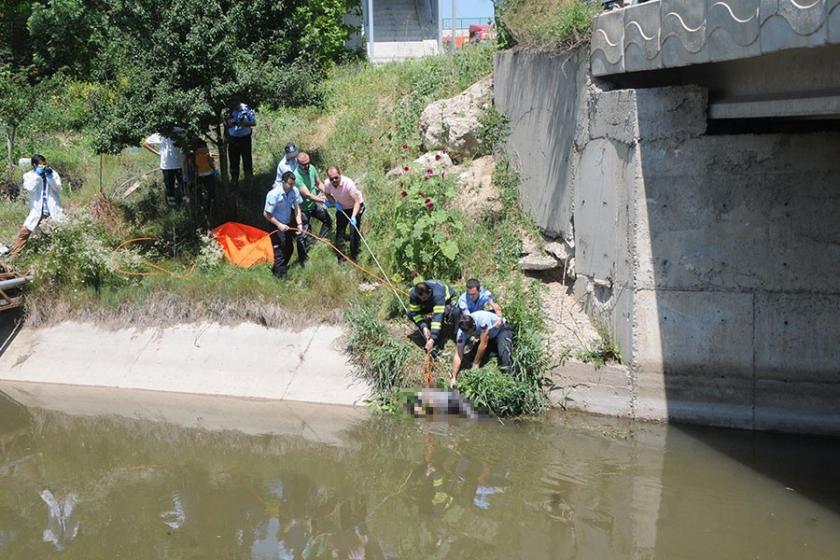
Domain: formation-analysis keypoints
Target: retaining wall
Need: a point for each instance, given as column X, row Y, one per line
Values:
column 713, row 259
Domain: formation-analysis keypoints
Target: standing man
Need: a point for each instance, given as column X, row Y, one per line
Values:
column 282, row 210
column 349, row 207
column 43, row 185
column 171, row 166
column 289, row 162
column 310, row 186
column 435, row 298
column 477, row 299
column 238, row 124
column 483, row 324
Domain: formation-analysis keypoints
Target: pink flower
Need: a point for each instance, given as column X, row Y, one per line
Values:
column 404, row 194
column 405, row 146
column 429, row 204
column 430, row 171
column 437, row 157
column 405, row 168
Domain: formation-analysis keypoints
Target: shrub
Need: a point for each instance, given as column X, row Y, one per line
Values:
column 499, row 393
column 424, row 227
column 381, row 358
column 493, row 132
column 78, row 253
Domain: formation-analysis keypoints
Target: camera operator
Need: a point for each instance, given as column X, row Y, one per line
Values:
column 43, row 185
column 239, row 121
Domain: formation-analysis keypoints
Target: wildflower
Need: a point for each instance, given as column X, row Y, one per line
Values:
column 429, row 204
column 430, row 171
column 422, row 195
column 404, row 194
column 437, row 157
column 405, row 168
column 426, row 178
column 405, row 146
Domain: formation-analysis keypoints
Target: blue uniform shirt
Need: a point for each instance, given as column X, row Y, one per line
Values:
column 469, row 306
column 246, row 114
column 484, row 322
column 280, row 204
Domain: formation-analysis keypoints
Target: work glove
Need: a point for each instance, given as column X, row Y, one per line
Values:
column 353, row 221
column 338, row 206
column 329, row 203
column 49, row 172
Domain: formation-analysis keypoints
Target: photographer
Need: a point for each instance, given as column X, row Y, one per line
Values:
column 43, row 185
column 239, row 121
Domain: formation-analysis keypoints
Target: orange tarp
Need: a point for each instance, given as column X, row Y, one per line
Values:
column 244, row 245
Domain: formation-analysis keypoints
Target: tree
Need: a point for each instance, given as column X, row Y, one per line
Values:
column 65, row 35
column 177, row 66
column 16, row 98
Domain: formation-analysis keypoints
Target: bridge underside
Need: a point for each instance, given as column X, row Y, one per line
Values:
column 758, row 59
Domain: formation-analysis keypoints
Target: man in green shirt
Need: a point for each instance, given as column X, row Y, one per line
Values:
column 311, row 190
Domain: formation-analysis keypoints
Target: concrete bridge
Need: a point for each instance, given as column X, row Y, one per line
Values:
column 690, row 158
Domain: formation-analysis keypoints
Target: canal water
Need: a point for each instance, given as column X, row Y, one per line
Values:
column 90, row 473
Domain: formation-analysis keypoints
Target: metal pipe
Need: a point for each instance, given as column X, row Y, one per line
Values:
column 14, row 282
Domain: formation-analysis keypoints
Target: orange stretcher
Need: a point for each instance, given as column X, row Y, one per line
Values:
column 244, row 245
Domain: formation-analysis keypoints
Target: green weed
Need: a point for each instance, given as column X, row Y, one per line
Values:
column 561, row 23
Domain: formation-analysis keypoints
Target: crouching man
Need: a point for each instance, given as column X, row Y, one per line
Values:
column 492, row 332
column 43, row 186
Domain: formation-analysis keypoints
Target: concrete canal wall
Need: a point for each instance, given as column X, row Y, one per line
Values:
column 713, row 257
column 247, row 361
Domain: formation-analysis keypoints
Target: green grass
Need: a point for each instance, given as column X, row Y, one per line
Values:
column 548, row 24
column 370, row 113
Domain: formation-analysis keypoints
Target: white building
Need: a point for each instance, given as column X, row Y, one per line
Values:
column 401, row 29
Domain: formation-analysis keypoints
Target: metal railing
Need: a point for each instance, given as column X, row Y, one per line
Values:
column 464, row 23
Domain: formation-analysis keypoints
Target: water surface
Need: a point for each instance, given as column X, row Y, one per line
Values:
column 106, row 474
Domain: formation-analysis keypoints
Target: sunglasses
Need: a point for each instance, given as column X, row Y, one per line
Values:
column 303, row 164
column 336, row 178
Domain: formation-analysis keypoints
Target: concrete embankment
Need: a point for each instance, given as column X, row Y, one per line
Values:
column 242, row 361
column 709, row 250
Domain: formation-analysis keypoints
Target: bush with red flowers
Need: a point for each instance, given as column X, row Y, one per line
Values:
column 425, row 229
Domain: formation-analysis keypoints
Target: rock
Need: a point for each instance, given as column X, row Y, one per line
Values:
column 453, row 123
column 437, row 160
column 477, row 194
column 365, row 287
column 558, row 250
column 536, row 262
column 529, row 246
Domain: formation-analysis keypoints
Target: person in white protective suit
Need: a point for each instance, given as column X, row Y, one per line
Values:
column 43, row 185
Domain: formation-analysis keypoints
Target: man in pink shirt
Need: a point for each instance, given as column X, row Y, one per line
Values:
column 349, row 205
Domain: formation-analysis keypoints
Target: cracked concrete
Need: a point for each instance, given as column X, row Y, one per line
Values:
column 243, row 361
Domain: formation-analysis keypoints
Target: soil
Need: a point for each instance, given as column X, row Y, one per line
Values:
column 568, row 325
column 477, row 194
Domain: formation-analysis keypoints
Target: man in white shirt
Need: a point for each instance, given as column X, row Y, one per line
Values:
column 171, row 165
column 43, row 185
column 288, row 163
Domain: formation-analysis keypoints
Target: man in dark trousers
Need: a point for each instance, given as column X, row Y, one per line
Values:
column 435, row 298
column 282, row 210
column 239, row 121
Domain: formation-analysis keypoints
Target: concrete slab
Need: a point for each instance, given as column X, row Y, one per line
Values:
column 314, row 422
column 642, row 30
column 797, row 407
column 683, row 32
column 243, row 361
column 703, row 334
column 607, row 390
column 797, row 338
column 732, row 29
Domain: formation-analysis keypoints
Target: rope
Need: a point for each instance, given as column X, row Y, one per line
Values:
column 382, row 270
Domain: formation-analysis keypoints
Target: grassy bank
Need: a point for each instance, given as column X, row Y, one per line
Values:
column 415, row 225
